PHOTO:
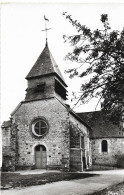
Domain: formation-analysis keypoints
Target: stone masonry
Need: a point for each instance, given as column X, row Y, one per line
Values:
column 10, row 146
column 80, row 145
column 44, row 131
column 56, row 140
column 113, row 157
column 102, row 129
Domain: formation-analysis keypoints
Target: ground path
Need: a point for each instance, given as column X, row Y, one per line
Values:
column 74, row 187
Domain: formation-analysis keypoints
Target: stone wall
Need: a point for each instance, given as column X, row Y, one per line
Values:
column 114, row 156
column 80, row 152
column 6, row 135
column 48, row 91
column 56, row 141
column 10, row 148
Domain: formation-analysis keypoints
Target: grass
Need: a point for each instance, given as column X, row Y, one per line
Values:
column 113, row 190
column 14, row 180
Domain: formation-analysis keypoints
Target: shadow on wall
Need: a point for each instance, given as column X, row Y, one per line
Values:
column 120, row 161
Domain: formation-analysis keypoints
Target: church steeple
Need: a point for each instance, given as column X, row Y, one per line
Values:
column 45, row 65
column 45, row 79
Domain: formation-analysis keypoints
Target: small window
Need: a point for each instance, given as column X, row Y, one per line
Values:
column 104, row 146
column 39, row 127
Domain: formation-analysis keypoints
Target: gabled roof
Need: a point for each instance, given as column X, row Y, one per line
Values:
column 45, row 65
column 101, row 126
column 75, row 114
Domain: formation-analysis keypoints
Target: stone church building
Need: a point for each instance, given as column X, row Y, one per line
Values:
column 45, row 133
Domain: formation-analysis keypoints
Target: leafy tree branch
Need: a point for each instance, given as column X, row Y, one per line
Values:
column 100, row 54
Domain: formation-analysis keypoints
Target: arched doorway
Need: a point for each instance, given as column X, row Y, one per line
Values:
column 40, row 157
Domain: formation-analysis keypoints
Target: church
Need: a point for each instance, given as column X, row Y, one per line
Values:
column 45, row 133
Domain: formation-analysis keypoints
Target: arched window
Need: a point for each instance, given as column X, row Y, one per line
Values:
column 104, row 146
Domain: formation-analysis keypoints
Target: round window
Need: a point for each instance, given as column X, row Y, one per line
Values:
column 39, row 127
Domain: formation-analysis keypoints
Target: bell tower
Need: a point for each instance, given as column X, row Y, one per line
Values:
column 45, row 79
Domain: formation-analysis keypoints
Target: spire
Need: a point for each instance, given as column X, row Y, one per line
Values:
column 46, row 45
column 45, row 65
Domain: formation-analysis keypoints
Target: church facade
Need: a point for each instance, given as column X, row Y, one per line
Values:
column 43, row 132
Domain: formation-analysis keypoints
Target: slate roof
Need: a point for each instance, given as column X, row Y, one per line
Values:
column 45, row 65
column 101, row 127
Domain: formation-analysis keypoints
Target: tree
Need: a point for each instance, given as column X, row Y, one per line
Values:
column 101, row 55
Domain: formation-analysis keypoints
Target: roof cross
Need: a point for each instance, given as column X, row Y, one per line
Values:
column 46, row 29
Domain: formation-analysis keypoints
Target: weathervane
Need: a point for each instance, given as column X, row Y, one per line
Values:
column 46, row 29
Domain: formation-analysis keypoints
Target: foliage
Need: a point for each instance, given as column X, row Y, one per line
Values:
column 101, row 54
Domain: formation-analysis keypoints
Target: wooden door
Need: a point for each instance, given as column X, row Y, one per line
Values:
column 40, row 157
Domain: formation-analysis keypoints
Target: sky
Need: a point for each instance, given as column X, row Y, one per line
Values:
column 22, row 41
